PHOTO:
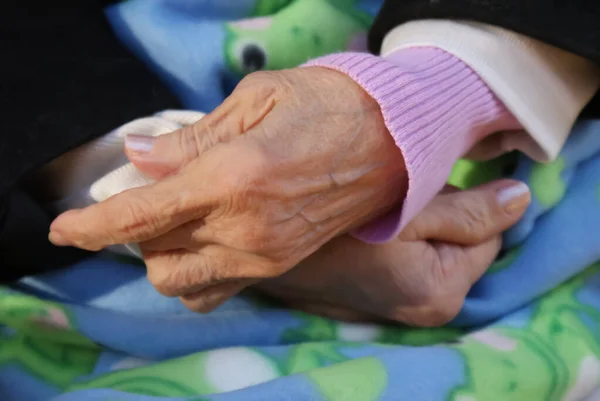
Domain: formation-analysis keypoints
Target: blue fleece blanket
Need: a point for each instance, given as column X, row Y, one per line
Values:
column 529, row 329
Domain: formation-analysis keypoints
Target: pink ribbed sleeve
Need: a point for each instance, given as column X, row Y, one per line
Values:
column 435, row 107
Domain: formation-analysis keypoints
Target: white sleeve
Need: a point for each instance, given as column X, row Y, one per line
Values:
column 544, row 87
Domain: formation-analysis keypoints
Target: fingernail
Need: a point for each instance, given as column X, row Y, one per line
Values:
column 514, row 197
column 140, row 144
column 57, row 239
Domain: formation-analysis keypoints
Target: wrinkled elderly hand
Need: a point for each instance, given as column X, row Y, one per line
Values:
column 422, row 277
column 289, row 161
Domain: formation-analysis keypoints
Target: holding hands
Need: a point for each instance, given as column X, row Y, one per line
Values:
column 264, row 190
column 289, row 161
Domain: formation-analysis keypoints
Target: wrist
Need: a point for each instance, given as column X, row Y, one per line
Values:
column 377, row 150
column 435, row 108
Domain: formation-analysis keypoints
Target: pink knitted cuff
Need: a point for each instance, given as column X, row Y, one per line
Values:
column 435, row 107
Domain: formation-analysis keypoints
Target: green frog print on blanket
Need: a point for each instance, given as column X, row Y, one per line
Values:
column 556, row 357
column 268, row 7
column 45, row 342
column 315, row 328
column 294, row 34
column 231, row 369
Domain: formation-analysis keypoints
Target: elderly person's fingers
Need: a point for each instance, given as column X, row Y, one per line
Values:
column 203, row 280
column 135, row 215
column 472, row 216
column 446, row 284
column 181, row 273
column 213, row 296
column 315, row 160
column 148, row 212
column 471, row 262
column 165, row 155
column 422, row 277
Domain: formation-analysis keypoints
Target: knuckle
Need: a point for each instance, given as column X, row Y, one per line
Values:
column 161, row 280
column 215, row 270
column 475, row 220
column 426, row 286
column 451, row 271
column 434, row 314
column 195, row 276
column 139, row 220
column 426, row 294
column 443, row 299
column 170, row 278
column 200, row 136
column 189, row 137
column 164, row 289
column 211, row 297
column 432, row 302
column 262, row 241
column 261, row 83
column 442, row 311
column 197, row 304
column 265, row 270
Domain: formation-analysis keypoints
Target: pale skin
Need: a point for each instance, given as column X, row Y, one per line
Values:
column 291, row 160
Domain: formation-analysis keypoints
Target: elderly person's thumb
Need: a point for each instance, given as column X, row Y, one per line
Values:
column 473, row 216
column 164, row 155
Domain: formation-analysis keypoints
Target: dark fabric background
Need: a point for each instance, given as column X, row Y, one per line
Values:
column 64, row 79
column 573, row 25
